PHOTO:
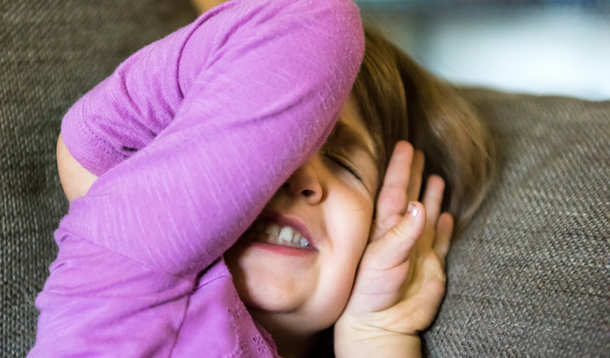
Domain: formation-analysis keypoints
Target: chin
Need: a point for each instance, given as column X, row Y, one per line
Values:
column 290, row 323
column 267, row 298
column 274, row 309
column 265, row 283
column 282, row 289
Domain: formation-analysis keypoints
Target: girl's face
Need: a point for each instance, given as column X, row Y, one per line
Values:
column 295, row 266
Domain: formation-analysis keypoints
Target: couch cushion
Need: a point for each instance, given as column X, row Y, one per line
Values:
column 531, row 275
column 50, row 54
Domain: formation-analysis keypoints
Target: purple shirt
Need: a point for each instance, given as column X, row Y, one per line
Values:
column 213, row 118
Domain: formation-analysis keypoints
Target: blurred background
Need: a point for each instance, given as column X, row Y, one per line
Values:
column 558, row 47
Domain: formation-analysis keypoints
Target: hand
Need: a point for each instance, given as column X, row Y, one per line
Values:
column 401, row 281
column 205, row 5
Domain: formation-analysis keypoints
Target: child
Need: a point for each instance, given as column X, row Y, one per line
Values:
column 140, row 270
column 392, row 100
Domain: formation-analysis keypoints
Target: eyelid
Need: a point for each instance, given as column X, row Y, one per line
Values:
column 339, row 160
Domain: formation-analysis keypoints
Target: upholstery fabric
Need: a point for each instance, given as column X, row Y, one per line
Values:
column 51, row 53
column 530, row 277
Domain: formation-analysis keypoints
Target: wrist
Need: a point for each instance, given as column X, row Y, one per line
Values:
column 354, row 340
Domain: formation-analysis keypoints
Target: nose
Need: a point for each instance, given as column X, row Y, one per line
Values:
column 306, row 183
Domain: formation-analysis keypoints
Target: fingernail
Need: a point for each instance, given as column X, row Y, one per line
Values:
column 412, row 209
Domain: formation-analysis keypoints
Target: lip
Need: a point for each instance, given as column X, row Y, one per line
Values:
column 283, row 220
column 281, row 249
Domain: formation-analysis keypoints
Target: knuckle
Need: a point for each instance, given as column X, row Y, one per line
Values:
column 400, row 230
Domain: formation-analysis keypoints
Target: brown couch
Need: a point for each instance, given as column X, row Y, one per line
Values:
column 529, row 277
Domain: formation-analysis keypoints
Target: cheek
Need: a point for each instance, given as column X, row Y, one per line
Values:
column 337, row 276
column 349, row 226
column 350, row 232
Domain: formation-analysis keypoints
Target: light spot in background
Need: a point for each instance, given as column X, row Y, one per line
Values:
column 560, row 50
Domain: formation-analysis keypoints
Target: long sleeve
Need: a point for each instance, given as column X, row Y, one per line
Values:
column 215, row 117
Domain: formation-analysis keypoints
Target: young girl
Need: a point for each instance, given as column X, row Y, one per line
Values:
column 392, row 100
column 218, row 116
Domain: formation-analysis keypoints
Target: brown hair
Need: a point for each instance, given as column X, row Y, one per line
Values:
column 399, row 100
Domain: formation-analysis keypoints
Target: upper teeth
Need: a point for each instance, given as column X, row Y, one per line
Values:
column 286, row 234
column 283, row 235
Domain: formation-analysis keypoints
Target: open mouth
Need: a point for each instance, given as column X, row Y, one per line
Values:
column 272, row 233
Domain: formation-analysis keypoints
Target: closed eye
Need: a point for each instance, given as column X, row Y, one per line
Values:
column 342, row 163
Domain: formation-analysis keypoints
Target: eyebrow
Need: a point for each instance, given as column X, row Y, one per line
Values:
column 346, row 132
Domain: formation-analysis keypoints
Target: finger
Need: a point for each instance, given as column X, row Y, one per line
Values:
column 393, row 248
column 444, row 231
column 417, row 169
column 433, row 198
column 392, row 199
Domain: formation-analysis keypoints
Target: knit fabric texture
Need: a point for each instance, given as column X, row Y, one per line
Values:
column 51, row 53
column 530, row 277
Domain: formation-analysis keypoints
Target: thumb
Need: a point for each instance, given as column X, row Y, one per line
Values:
column 393, row 248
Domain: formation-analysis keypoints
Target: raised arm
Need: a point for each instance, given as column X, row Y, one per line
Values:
column 214, row 118
column 253, row 91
